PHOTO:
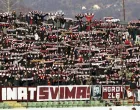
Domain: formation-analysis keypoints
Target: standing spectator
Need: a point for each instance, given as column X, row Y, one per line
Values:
column 17, row 81
column 5, row 83
column 133, row 87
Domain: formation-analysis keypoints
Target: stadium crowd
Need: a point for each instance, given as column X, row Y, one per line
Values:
column 39, row 48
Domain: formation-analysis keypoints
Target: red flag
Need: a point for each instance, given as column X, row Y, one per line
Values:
column 89, row 17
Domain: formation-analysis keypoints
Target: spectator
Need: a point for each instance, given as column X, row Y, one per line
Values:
column 133, row 108
column 133, row 87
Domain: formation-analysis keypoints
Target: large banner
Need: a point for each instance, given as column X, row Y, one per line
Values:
column 52, row 93
column 61, row 93
column 45, row 93
column 116, row 91
column 112, row 91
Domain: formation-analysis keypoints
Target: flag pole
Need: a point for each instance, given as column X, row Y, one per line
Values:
column 124, row 16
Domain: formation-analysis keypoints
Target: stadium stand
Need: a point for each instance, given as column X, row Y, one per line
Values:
column 48, row 49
